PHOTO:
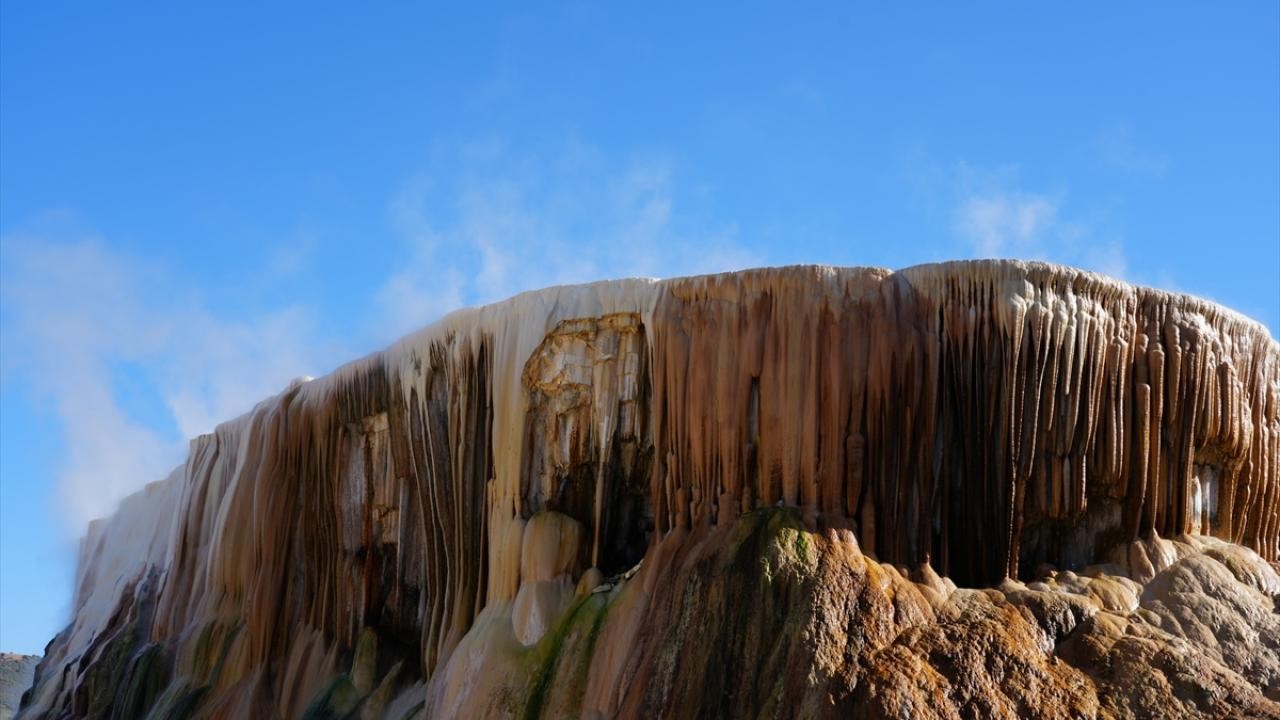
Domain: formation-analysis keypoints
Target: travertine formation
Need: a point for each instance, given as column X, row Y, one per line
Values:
column 743, row 494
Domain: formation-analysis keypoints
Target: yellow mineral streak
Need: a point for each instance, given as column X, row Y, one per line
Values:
column 977, row 417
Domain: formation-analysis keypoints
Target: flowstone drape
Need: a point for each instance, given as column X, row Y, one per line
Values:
column 477, row 498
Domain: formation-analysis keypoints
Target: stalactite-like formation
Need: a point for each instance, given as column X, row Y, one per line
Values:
column 952, row 410
column 980, row 417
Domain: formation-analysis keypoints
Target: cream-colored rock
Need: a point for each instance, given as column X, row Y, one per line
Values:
column 549, row 559
column 539, row 604
column 590, row 580
column 551, row 548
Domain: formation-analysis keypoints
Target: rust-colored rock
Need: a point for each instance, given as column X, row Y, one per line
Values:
column 751, row 494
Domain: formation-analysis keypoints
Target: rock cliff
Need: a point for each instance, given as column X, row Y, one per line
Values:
column 16, row 674
column 973, row 489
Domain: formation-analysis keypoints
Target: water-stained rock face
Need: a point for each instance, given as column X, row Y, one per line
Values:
column 587, row 450
column 808, row 460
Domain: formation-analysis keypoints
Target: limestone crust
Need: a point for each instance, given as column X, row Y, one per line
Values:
column 937, row 492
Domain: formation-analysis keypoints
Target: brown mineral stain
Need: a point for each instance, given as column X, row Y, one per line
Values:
column 944, row 425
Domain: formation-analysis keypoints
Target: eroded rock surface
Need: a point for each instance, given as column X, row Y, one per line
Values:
column 767, row 618
column 16, row 674
column 745, row 494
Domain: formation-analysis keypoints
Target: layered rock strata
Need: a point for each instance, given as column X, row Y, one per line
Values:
column 533, row 507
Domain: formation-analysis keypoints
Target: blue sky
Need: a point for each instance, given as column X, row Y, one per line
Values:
column 198, row 204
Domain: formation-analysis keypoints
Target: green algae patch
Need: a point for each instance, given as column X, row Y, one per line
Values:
column 772, row 539
column 209, row 654
column 146, row 680
column 96, row 694
column 559, row 663
column 736, row 630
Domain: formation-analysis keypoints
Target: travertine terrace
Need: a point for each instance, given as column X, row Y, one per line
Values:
column 967, row 489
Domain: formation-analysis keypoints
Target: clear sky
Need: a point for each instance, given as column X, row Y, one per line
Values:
column 198, row 204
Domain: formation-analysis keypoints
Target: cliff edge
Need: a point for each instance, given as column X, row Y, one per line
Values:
column 971, row 489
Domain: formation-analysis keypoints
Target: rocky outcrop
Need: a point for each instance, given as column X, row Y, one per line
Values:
column 796, row 492
column 16, row 674
column 763, row 617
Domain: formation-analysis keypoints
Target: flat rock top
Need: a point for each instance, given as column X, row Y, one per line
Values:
column 16, row 674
